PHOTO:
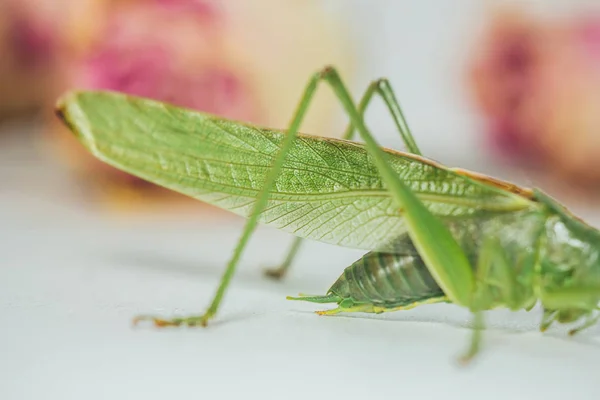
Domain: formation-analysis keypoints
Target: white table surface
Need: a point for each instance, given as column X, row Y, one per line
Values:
column 71, row 280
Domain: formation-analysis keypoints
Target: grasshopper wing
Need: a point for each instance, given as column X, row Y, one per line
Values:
column 329, row 189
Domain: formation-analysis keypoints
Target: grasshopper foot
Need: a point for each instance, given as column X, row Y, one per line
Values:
column 192, row 321
column 276, row 273
column 281, row 271
column 465, row 359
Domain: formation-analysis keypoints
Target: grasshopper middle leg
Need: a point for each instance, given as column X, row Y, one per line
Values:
column 383, row 88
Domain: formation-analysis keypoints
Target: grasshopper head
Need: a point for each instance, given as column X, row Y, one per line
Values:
column 570, row 269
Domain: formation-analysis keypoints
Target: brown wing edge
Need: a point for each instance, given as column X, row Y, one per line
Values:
column 499, row 183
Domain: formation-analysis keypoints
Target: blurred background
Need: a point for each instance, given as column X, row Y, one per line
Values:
column 510, row 88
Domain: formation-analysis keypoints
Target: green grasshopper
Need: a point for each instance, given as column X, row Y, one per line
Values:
column 433, row 234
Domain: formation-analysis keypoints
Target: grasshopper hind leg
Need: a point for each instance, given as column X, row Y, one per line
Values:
column 259, row 206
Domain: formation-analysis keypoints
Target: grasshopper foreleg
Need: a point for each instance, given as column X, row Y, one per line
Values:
column 487, row 276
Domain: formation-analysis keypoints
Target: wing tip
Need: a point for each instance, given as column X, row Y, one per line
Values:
column 61, row 108
column 72, row 110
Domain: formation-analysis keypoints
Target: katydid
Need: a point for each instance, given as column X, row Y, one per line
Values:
column 433, row 233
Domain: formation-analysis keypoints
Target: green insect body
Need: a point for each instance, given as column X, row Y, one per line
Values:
column 434, row 233
column 381, row 282
column 567, row 255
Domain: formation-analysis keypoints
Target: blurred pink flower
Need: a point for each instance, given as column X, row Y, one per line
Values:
column 201, row 8
column 228, row 58
column 538, row 85
column 33, row 41
column 142, row 53
column 503, row 76
column 29, row 43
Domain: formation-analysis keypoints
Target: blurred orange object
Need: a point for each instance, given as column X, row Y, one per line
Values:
column 244, row 60
column 27, row 47
column 537, row 82
column 32, row 34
